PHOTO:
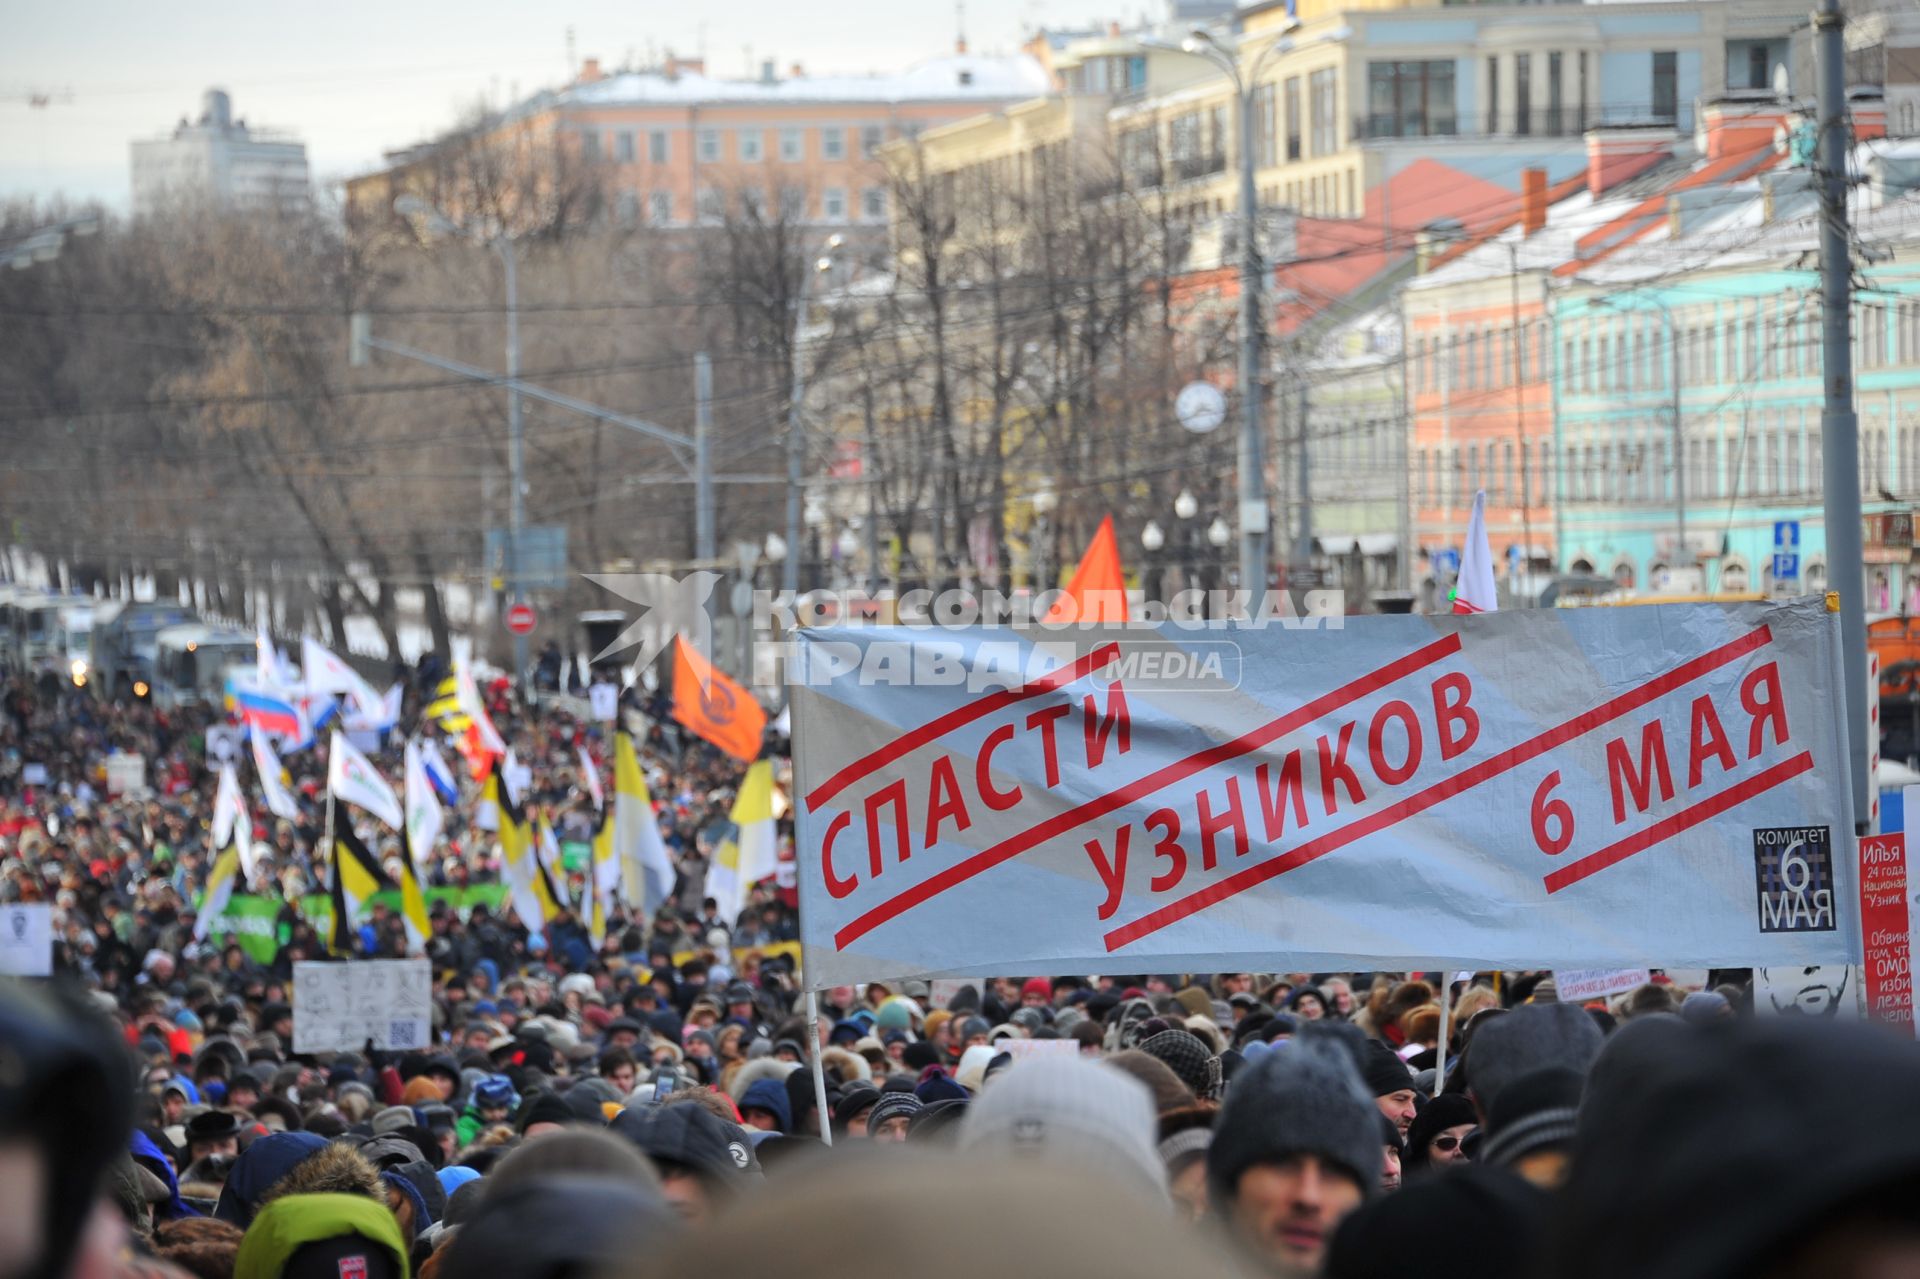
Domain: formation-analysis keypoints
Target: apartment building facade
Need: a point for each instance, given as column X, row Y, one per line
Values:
column 218, row 161
column 674, row 146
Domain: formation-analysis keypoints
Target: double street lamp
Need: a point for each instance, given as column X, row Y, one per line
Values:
column 1153, row 538
column 1224, row 53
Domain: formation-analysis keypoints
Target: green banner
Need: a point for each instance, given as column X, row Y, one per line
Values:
column 250, row 920
column 249, row 923
column 318, row 909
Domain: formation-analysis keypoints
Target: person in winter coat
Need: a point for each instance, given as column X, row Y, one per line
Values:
column 494, row 1102
column 322, row 1237
column 1297, row 1147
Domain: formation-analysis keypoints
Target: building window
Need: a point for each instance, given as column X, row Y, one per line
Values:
column 708, row 145
column 753, row 203
column 1410, row 99
column 1493, row 94
column 833, row 144
column 1293, row 118
column 1323, row 86
column 833, row 204
column 627, row 208
column 1523, row 93
column 1666, row 86
column 873, row 204
column 623, row 148
column 1266, row 141
column 590, row 145
column 710, row 206
column 793, row 203
column 1556, row 118
column 657, row 146
column 1580, row 93
column 660, row 208
column 792, row 146
column 871, row 136
column 751, row 146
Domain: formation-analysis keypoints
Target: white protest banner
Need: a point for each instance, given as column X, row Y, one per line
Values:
column 941, row 990
column 1577, row 985
column 1815, row 990
column 605, row 701
column 126, row 774
column 1577, row 787
column 1021, row 1049
column 26, row 939
column 341, row 1006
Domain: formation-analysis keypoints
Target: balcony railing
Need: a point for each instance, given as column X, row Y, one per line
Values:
column 1187, row 167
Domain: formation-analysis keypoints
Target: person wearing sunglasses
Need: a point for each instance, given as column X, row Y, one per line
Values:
column 1437, row 1136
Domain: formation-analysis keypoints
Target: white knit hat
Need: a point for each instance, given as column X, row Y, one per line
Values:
column 1069, row 1110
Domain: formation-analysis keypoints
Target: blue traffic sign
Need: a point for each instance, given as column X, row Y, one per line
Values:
column 1786, row 566
column 1786, row 535
column 1447, row 561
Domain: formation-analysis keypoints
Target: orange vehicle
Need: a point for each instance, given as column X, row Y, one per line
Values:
column 1896, row 640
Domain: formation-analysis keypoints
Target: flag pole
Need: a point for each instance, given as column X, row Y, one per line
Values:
column 1446, row 1009
column 819, row 1069
column 333, row 869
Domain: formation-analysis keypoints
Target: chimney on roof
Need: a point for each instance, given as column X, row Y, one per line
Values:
column 1533, row 200
column 766, row 72
column 1731, row 125
column 589, row 71
column 1113, row 27
column 796, row 72
column 959, row 44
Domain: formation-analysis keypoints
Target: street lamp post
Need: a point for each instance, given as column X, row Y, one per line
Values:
column 796, row 421
column 1254, row 514
column 516, row 450
column 43, row 244
column 691, row 451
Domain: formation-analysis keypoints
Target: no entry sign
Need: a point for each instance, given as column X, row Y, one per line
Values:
column 521, row 619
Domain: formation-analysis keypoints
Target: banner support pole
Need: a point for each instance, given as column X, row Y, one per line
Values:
column 819, row 1070
column 1446, row 1009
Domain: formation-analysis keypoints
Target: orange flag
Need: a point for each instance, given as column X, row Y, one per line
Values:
column 1098, row 589
column 712, row 705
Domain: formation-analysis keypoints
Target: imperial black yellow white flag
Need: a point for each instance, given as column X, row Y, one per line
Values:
column 356, row 878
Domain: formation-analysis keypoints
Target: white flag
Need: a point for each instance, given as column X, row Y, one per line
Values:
column 326, row 673
column 467, row 693
column 424, row 818
column 231, row 825
column 353, row 779
column 280, row 800
column 590, row 776
column 1474, row 592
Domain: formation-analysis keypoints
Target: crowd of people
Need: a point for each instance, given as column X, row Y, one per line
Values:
column 651, row 1105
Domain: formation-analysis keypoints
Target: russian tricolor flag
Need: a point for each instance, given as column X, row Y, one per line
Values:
column 267, row 713
column 435, row 767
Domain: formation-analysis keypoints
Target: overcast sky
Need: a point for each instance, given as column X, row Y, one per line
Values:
column 353, row 77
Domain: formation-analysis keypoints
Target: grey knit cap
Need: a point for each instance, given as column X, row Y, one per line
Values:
column 1304, row 1097
column 1529, row 1038
column 1073, row 1112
